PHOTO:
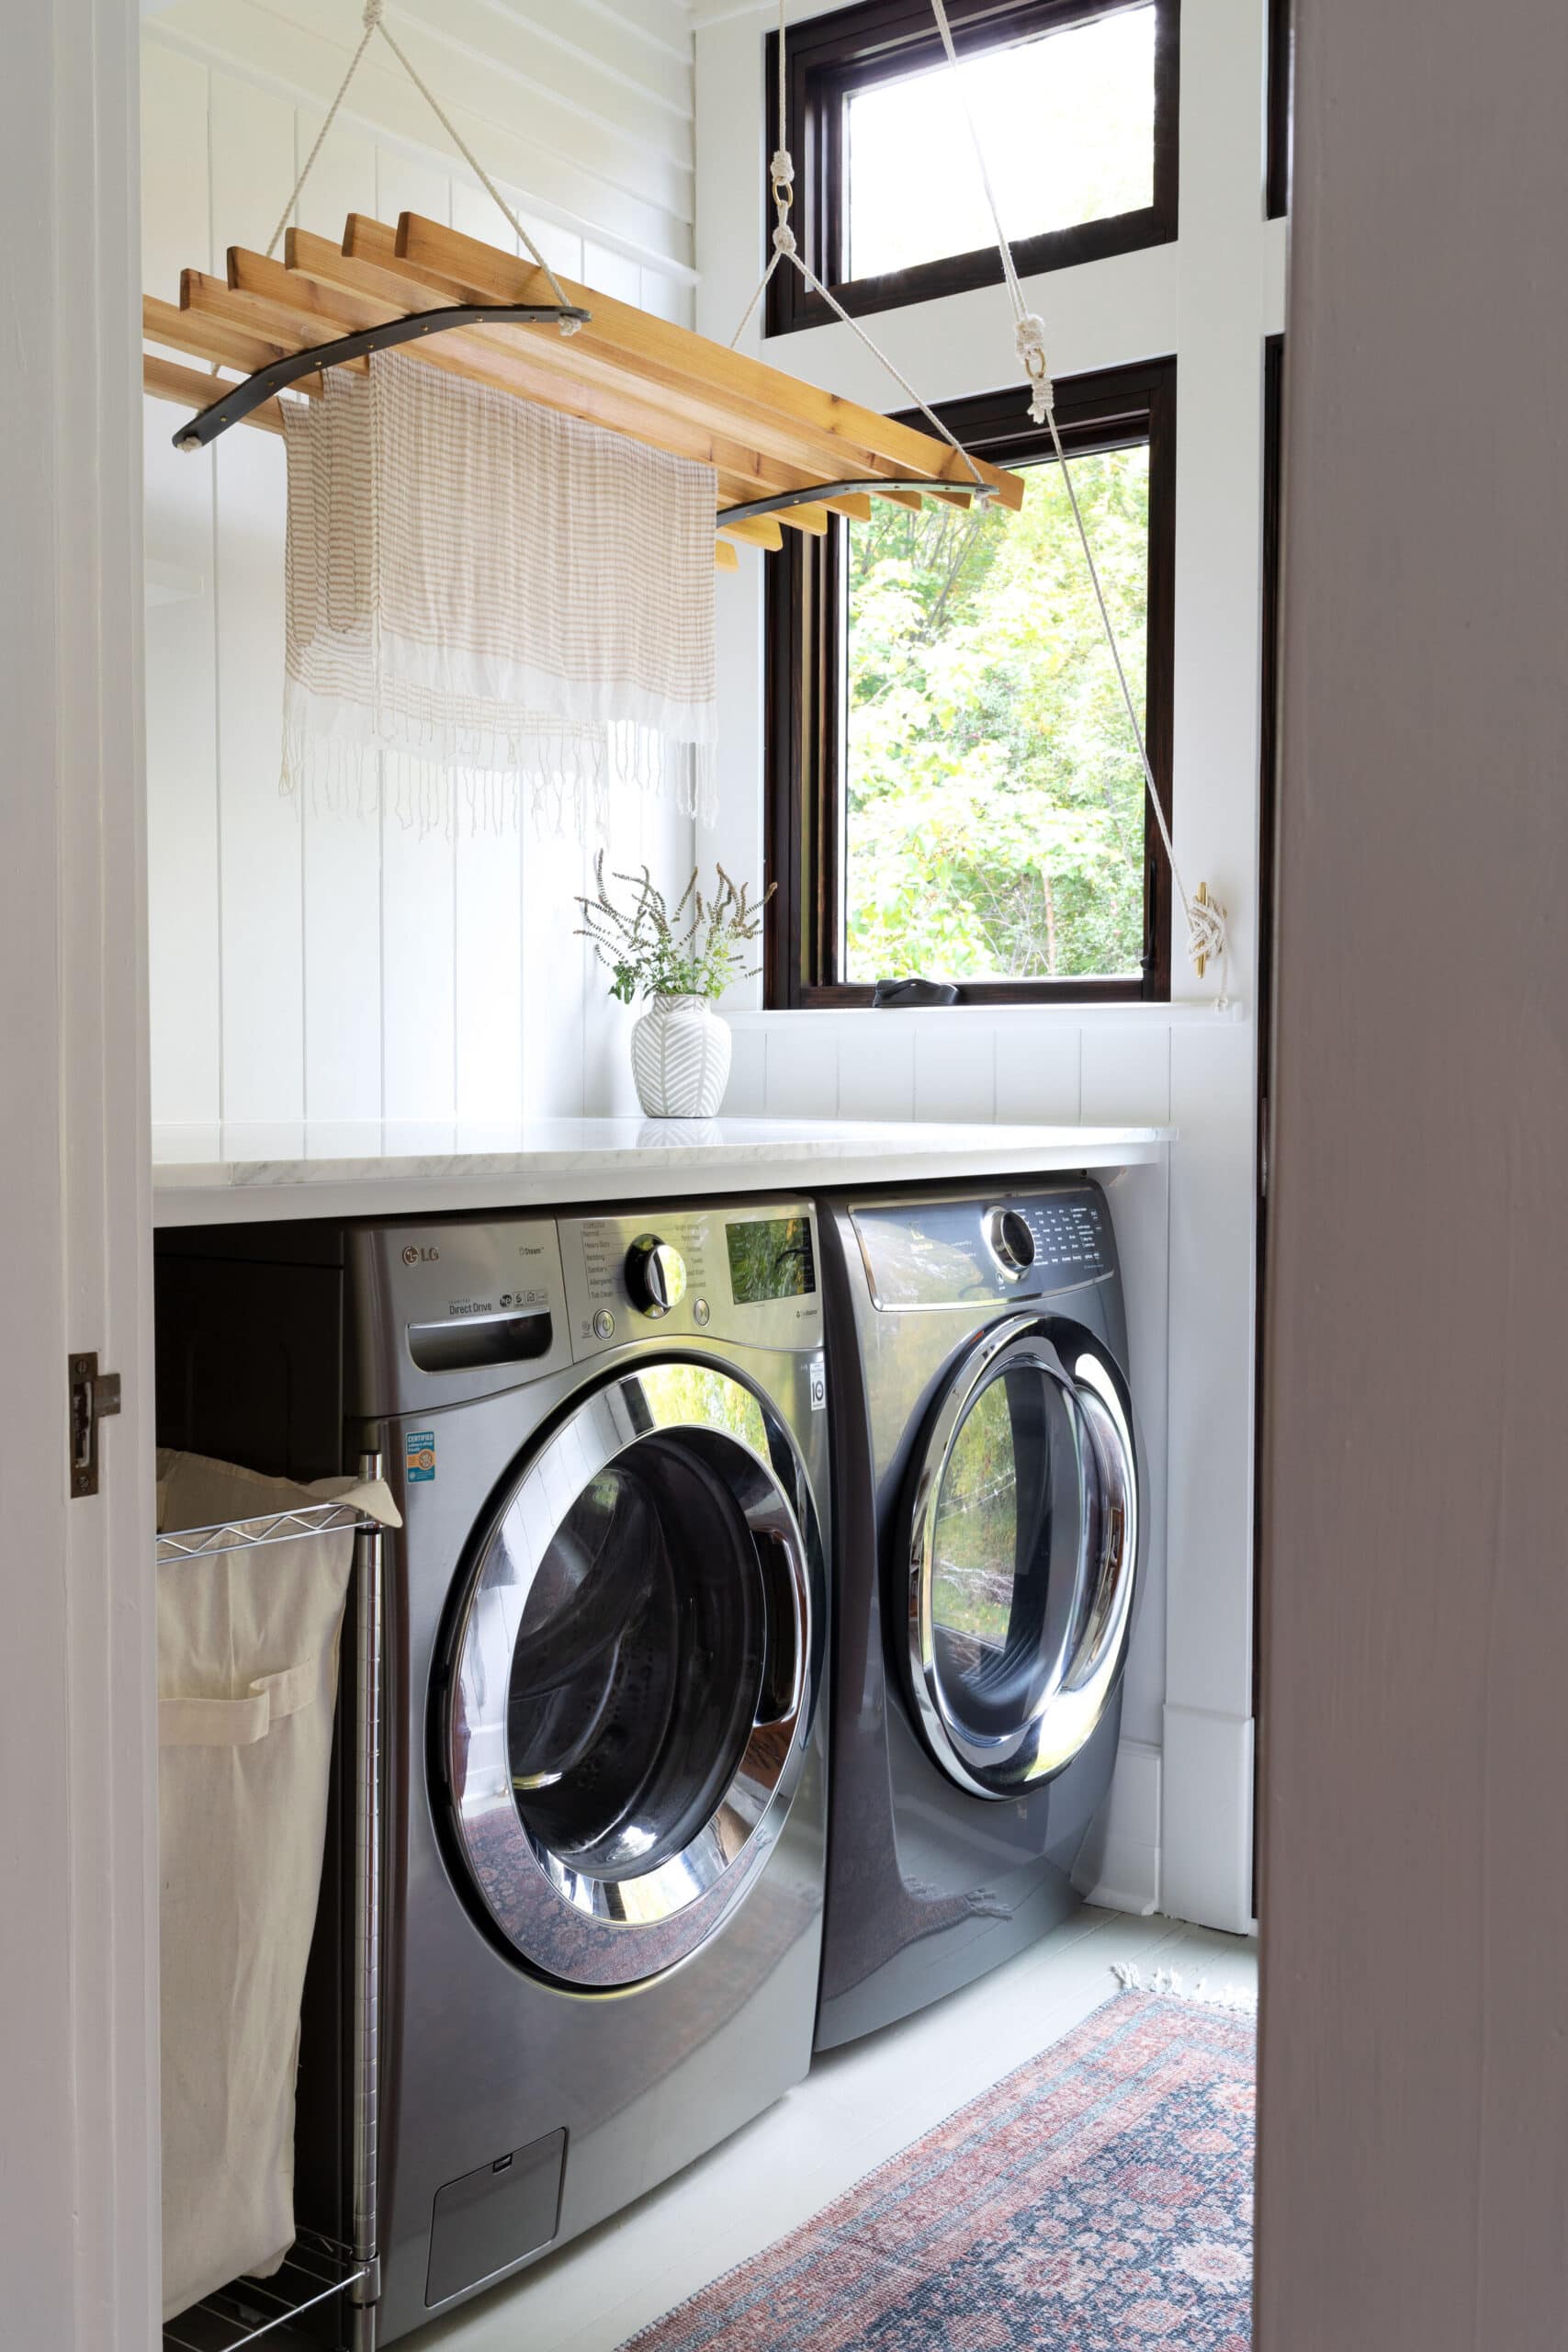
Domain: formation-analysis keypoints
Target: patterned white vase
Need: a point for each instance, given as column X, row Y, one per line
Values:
column 681, row 1058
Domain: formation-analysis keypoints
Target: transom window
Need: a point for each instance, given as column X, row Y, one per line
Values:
column 1077, row 102
column 955, row 792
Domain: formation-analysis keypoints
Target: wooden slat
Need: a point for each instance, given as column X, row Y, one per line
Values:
column 725, row 557
column 658, row 351
column 910, row 498
column 206, row 338
column 327, row 309
column 757, row 530
column 855, row 503
column 167, row 380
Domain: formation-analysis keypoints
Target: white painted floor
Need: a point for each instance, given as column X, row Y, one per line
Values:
column 858, row 2106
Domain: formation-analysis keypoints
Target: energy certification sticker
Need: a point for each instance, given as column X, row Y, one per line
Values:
column 419, row 1455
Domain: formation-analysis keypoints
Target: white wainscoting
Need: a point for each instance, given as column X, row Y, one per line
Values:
column 307, row 964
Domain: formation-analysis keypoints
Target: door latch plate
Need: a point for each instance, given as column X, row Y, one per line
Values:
column 94, row 1396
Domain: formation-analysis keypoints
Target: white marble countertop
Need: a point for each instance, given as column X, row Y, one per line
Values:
column 552, row 1161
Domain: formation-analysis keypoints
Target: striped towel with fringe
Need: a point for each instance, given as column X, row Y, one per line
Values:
column 488, row 601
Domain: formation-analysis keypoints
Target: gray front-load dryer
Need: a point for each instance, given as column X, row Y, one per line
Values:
column 986, row 1503
column 606, row 1626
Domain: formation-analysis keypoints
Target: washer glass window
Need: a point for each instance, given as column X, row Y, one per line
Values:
column 628, row 1694
column 1023, row 1550
column 637, row 1667
column 1008, row 1535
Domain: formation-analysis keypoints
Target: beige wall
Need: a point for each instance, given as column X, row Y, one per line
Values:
column 1413, row 2164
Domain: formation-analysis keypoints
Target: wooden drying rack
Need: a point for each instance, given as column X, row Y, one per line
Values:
column 786, row 455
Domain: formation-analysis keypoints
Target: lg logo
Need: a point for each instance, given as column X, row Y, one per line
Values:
column 414, row 1257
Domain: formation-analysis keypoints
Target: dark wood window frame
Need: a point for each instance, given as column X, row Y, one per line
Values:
column 1277, row 110
column 832, row 56
column 1116, row 409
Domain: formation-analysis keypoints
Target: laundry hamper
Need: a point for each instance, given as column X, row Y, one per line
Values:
column 251, row 1603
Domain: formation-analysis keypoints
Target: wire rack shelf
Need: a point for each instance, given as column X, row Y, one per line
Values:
column 248, row 1534
column 315, row 2271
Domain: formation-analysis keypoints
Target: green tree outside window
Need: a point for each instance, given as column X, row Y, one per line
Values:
column 994, row 802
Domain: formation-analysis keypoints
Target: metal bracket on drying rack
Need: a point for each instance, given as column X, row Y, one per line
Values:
column 239, row 399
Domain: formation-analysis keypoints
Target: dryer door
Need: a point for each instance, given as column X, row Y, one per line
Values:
column 629, row 1679
column 1022, row 1547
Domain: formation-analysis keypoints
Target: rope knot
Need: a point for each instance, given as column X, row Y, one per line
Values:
column 781, row 168
column 1206, row 933
column 783, row 238
column 1029, row 339
column 372, row 16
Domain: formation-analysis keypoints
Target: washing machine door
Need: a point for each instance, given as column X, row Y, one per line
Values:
column 1022, row 1544
column 630, row 1680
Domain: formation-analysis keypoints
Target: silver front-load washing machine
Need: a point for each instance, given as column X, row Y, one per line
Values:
column 606, row 1642
column 987, row 1527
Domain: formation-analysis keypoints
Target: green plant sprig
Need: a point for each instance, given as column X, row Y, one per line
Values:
column 650, row 948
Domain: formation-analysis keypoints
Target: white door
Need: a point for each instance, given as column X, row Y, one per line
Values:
column 78, row 2106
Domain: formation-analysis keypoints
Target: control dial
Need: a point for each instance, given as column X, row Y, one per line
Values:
column 656, row 1276
column 1010, row 1241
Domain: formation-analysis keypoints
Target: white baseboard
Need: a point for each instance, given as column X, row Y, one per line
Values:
column 1120, row 1865
column 1206, row 1819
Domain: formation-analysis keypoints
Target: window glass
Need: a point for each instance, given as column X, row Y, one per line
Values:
column 993, row 822
column 1068, row 121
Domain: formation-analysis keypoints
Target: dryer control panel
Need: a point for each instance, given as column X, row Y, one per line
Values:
column 934, row 1253
column 737, row 1270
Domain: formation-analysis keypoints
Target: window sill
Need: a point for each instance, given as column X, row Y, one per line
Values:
column 1181, row 1014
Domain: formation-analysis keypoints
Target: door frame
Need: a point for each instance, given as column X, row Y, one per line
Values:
column 79, row 2229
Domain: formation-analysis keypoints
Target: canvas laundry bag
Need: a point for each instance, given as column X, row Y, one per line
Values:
column 247, row 1681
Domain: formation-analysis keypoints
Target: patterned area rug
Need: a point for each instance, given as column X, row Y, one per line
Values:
column 1099, row 2200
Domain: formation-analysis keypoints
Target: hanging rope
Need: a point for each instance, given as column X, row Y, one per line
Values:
column 1206, row 933
column 781, row 175
column 374, row 22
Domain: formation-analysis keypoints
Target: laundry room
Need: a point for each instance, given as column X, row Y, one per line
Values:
column 396, row 961
column 689, row 1062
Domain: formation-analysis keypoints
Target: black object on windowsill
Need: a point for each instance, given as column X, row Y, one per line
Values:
column 898, row 995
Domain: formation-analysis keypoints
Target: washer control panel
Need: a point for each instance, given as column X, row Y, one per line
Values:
column 955, row 1252
column 740, row 1271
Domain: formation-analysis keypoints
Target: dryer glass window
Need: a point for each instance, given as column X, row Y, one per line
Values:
column 1008, row 1538
column 639, row 1665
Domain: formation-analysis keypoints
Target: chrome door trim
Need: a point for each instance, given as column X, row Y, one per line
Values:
column 1079, row 1685
column 596, row 1931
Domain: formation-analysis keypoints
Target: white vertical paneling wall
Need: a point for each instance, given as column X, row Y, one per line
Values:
column 1178, row 1829
column 317, row 971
